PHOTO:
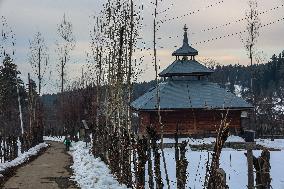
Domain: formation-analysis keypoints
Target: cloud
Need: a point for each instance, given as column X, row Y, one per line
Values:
column 29, row 16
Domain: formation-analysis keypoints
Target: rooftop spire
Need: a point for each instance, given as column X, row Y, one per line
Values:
column 185, row 38
column 185, row 50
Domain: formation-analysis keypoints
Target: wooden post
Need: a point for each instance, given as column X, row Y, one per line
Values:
column 182, row 164
column 250, row 166
column 150, row 166
column 262, row 167
column 221, row 176
column 157, row 156
column 142, row 159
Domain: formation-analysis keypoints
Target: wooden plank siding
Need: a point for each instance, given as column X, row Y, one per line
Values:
column 189, row 121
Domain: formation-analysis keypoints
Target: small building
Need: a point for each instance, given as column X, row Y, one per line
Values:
column 189, row 102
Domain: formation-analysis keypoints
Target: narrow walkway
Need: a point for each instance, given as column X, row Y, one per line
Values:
column 49, row 171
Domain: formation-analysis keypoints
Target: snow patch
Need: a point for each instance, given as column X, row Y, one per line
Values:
column 233, row 162
column 238, row 90
column 23, row 157
column 233, row 138
column 91, row 172
column 210, row 140
column 54, row 138
column 276, row 144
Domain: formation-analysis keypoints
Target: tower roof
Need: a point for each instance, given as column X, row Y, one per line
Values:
column 185, row 68
column 186, row 49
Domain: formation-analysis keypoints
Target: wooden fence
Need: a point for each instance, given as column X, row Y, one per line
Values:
column 128, row 156
column 10, row 146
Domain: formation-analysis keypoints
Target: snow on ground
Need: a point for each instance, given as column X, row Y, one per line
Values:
column 233, row 138
column 210, row 140
column 232, row 161
column 279, row 108
column 91, row 172
column 23, row 157
column 276, row 144
column 190, row 141
column 238, row 90
column 54, row 138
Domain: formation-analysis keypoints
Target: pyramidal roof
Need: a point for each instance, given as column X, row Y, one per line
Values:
column 185, row 94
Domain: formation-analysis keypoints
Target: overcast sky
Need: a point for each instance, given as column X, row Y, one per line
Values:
column 26, row 17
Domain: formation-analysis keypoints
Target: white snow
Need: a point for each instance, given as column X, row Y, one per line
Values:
column 54, row 138
column 23, row 157
column 279, row 108
column 210, row 140
column 233, row 138
column 238, row 90
column 278, row 104
column 276, row 144
column 91, row 172
column 232, row 161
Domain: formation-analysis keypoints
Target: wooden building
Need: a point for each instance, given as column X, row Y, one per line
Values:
column 189, row 102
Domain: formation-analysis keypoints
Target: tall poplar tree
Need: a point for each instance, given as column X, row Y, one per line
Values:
column 64, row 47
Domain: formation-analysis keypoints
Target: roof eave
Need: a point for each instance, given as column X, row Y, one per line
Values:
column 185, row 74
column 177, row 109
column 185, row 54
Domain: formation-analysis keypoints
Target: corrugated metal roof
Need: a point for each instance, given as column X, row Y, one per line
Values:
column 184, row 68
column 188, row 94
column 185, row 50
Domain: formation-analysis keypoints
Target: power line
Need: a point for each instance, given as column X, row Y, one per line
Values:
column 237, row 21
column 224, row 36
column 229, row 23
column 191, row 13
column 220, row 37
column 237, row 33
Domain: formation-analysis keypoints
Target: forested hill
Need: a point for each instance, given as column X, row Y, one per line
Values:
column 268, row 78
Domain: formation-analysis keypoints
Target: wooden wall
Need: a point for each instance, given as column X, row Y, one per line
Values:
column 190, row 121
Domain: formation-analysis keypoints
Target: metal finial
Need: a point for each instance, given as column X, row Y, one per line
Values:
column 185, row 38
column 185, row 28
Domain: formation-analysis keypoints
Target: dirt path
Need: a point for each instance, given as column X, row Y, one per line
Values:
column 49, row 171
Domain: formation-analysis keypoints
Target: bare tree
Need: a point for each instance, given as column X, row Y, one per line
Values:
column 8, row 41
column 155, row 27
column 210, row 63
column 113, row 43
column 38, row 57
column 215, row 177
column 65, row 46
column 253, row 26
